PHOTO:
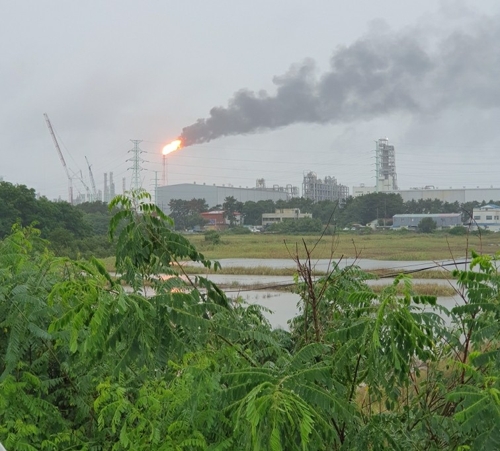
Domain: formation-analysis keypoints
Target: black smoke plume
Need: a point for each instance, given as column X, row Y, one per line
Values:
column 377, row 75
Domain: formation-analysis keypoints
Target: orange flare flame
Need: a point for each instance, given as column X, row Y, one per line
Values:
column 174, row 145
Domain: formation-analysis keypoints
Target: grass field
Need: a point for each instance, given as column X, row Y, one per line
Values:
column 378, row 246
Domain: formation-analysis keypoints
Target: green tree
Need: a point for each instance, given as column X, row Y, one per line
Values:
column 17, row 203
column 253, row 211
column 231, row 207
column 326, row 211
column 20, row 204
column 186, row 213
column 303, row 204
column 96, row 215
column 364, row 209
column 427, row 225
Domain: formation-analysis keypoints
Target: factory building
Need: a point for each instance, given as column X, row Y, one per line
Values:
column 486, row 217
column 362, row 189
column 283, row 214
column 460, row 195
column 411, row 221
column 328, row 189
column 385, row 165
column 215, row 195
column 386, row 179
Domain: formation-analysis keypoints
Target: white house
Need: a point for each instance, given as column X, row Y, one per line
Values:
column 486, row 217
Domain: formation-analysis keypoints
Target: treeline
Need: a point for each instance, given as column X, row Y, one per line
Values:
column 76, row 231
column 81, row 230
column 355, row 210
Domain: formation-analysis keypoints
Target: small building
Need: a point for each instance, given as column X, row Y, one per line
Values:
column 217, row 220
column 283, row 214
column 411, row 221
column 486, row 217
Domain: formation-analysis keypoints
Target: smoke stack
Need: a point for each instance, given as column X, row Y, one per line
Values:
column 112, row 193
column 380, row 74
column 106, row 189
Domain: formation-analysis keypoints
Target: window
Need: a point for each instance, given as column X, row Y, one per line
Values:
column 497, row 218
column 489, row 218
column 477, row 217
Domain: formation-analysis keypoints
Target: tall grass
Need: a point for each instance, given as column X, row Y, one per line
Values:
column 247, row 271
column 383, row 246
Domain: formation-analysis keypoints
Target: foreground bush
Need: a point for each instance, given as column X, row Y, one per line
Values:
column 169, row 363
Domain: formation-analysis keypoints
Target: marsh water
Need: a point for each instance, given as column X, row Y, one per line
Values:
column 283, row 305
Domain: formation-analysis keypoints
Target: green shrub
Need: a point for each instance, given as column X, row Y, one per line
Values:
column 427, row 225
column 458, row 230
column 238, row 230
column 212, row 237
column 302, row 225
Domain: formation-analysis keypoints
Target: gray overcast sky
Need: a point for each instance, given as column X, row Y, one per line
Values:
column 107, row 72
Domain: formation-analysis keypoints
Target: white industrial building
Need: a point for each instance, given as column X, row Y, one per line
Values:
column 362, row 189
column 486, row 217
column 215, row 195
column 318, row 189
column 385, row 163
column 460, row 195
column 386, row 181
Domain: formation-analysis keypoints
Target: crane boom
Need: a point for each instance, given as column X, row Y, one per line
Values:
column 61, row 157
column 92, row 181
column 87, row 189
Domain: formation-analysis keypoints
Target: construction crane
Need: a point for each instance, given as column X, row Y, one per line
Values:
column 92, row 181
column 61, row 157
column 87, row 189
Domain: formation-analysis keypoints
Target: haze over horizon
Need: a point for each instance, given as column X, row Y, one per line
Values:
column 260, row 90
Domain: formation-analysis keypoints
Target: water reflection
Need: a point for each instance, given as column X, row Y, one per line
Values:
column 283, row 305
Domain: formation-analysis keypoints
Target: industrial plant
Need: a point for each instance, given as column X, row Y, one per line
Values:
column 327, row 188
column 317, row 189
column 386, row 181
column 314, row 187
